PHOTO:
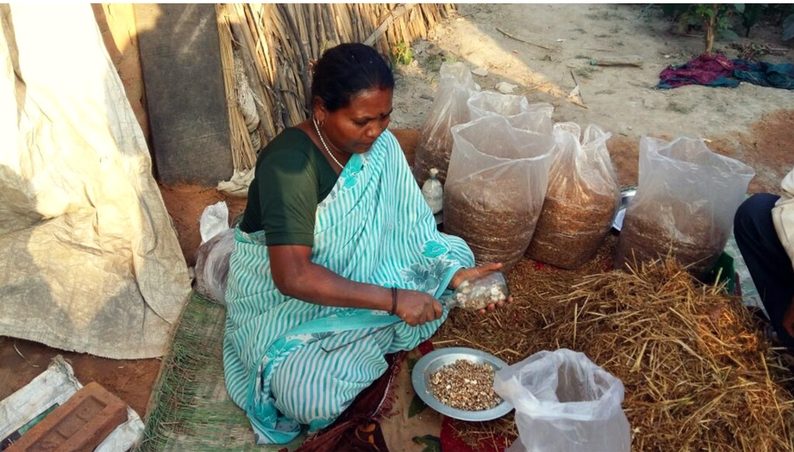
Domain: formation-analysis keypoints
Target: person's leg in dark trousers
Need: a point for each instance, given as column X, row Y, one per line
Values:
column 766, row 259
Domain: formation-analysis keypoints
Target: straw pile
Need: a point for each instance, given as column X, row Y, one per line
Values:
column 697, row 373
column 276, row 44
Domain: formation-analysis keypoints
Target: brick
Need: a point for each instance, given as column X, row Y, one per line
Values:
column 80, row 424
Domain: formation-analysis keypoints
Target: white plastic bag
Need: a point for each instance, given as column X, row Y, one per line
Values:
column 212, row 257
column 495, row 188
column 516, row 109
column 214, row 220
column 564, row 403
column 685, row 203
column 581, row 199
column 449, row 109
column 212, row 266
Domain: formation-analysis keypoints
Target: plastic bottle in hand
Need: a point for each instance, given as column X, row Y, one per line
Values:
column 433, row 193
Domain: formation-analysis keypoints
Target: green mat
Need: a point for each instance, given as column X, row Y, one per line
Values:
column 190, row 407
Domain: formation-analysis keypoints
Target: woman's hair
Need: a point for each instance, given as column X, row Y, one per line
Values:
column 346, row 70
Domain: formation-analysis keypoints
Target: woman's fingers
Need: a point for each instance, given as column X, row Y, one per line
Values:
column 493, row 306
column 484, row 269
column 437, row 310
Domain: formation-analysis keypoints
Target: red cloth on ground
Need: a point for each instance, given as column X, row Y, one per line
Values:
column 703, row 70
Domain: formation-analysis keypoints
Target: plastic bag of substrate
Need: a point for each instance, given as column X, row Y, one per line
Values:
column 564, row 403
column 495, row 188
column 686, row 199
column 449, row 109
column 581, row 199
column 212, row 266
column 516, row 109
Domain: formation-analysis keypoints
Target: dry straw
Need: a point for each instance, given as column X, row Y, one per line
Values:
column 697, row 372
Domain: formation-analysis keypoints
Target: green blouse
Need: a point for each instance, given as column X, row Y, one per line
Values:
column 292, row 177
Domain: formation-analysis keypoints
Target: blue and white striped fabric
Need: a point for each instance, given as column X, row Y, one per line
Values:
column 373, row 227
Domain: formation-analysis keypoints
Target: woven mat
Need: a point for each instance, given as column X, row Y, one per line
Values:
column 191, row 409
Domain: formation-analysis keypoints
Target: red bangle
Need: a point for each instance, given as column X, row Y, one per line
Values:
column 393, row 301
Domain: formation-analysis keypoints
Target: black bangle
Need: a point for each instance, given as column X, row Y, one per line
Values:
column 393, row 301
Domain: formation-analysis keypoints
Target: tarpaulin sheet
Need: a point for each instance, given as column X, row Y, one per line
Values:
column 89, row 259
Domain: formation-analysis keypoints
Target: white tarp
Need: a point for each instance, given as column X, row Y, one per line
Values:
column 89, row 259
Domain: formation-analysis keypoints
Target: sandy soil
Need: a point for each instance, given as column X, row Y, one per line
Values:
column 748, row 122
column 751, row 123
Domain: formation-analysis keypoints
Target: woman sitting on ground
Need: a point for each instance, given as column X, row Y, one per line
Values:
column 337, row 261
column 764, row 230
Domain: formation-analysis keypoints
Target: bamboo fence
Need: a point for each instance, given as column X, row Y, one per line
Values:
column 276, row 44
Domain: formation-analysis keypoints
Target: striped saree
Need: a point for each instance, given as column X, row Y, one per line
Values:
column 373, row 227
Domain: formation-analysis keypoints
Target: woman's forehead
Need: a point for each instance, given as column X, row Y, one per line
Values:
column 371, row 100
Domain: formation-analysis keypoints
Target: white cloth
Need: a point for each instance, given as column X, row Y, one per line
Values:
column 783, row 215
column 89, row 260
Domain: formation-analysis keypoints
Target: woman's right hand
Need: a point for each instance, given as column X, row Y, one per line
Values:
column 416, row 308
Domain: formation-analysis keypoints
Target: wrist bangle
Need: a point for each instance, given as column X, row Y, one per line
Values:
column 393, row 301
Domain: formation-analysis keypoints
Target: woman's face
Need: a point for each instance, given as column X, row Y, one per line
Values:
column 354, row 128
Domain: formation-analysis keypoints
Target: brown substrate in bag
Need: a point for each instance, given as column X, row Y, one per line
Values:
column 433, row 152
column 570, row 231
column 641, row 240
column 497, row 226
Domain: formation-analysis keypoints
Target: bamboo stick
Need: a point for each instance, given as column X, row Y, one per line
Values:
column 314, row 32
column 254, row 71
column 331, row 33
column 243, row 156
column 395, row 14
column 303, row 61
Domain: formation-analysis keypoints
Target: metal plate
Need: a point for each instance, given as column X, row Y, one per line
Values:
column 436, row 359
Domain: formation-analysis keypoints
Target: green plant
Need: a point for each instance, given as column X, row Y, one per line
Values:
column 750, row 15
column 715, row 19
column 402, row 53
column 712, row 18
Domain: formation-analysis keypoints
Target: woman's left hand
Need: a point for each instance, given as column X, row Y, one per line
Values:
column 470, row 274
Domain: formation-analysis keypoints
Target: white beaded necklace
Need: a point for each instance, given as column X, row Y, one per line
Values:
column 317, row 129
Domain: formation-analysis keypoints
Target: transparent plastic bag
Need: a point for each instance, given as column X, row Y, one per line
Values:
column 516, row 109
column 212, row 266
column 479, row 293
column 686, row 199
column 449, row 109
column 564, row 403
column 581, row 199
column 494, row 192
